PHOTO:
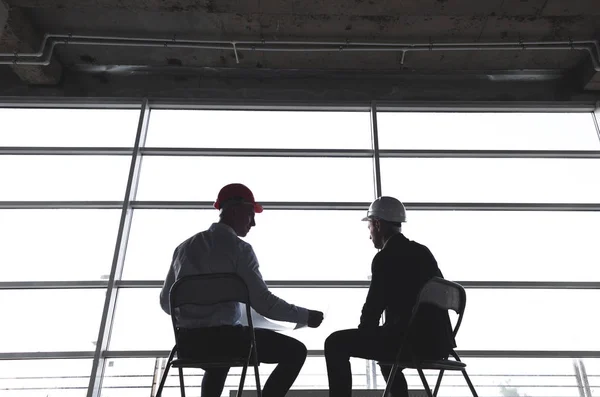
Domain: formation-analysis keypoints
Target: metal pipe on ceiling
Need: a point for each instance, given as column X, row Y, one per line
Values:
column 50, row 41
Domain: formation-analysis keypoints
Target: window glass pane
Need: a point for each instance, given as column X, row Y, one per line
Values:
column 497, row 319
column 133, row 377
column 309, row 250
column 271, row 179
column 487, row 131
column 140, row 323
column 45, row 378
column 139, row 309
column 305, row 251
column 154, row 236
column 50, row 320
column 491, row 180
column 73, row 178
column 259, row 129
column 341, row 307
column 127, row 377
column 591, row 367
column 533, row 312
column 57, row 244
column 503, row 377
column 510, row 245
column 69, row 127
column 495, row 377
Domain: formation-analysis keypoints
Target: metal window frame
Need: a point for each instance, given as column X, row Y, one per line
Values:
column 116, row 354
column 70, row 103
column 293, row 105
column 139, row 284
column 596, row 118
column 97, row 373
column 297, row 205
column 487, row 106
column 196, row 104
column 129, row 204
column 374, row 153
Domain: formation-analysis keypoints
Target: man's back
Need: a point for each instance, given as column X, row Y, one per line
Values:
column 220, row 250
column 215, row 250
column 400, row 270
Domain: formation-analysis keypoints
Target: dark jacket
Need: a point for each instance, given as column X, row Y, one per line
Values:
column 399, row 271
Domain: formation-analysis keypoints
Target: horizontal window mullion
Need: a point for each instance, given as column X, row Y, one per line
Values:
column 365, row 284
column 383, row 106
column 268, row 205
column 508, row 154
column 281, row 205
column 242, row 152
column 65, row 151
column 61, row 205
column 47, row 355
column 414, row 206
column 312, row 353
column 462, row 353
column 21, row 285
column 258, row 105
column 490, row 106
column 345, row 153
column 433, row 206
column 70, row 103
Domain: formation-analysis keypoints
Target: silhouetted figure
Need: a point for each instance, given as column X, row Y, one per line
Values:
column 399, row 271
column 220, row 250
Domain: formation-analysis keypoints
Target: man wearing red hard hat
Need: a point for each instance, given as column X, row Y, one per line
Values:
column 220, row 250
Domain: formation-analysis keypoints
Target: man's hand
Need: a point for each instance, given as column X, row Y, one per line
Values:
column 315, row 318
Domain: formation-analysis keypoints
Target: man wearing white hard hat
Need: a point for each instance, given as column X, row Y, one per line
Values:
column 399, row 271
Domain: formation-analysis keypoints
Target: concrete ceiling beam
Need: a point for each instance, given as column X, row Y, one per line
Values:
column 325, row 7
column 587, row 74
column 19, row 35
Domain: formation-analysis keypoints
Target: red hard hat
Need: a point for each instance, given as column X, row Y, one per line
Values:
column 237, row 190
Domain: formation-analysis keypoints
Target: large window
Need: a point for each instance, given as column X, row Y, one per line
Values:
column 508, row 202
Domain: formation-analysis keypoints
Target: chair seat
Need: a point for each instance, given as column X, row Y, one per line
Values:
column 211, row 362
column 449, row 365
column 186, row 363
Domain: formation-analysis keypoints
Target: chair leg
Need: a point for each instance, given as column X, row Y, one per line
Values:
column 424, row 380
column 257, row 377
column 164, row 376
column 464, row 372
column 163, row 379
column 438, row 383
column 181, row 384
column 242, row 379
column 388, row 386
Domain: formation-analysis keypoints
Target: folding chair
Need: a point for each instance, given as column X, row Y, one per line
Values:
column 204, row 290
column 448, row 296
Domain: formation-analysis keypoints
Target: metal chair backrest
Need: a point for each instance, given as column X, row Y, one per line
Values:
column 446, row 295
column 210, row 289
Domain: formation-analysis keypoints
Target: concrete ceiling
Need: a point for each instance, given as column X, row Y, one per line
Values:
column 84, row 69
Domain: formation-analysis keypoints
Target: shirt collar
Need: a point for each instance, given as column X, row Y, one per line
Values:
column 399, row 236
column 223, row 227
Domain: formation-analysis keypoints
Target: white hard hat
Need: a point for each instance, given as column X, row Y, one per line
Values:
column 387, row 208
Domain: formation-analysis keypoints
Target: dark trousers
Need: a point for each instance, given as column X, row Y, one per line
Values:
column 373, row 344
column 273, row 348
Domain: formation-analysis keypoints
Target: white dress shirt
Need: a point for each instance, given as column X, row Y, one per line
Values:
column 220, row 250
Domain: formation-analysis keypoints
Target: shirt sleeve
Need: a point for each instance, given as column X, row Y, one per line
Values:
column 375, row 303
column 166, row 289
column 261, row 299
